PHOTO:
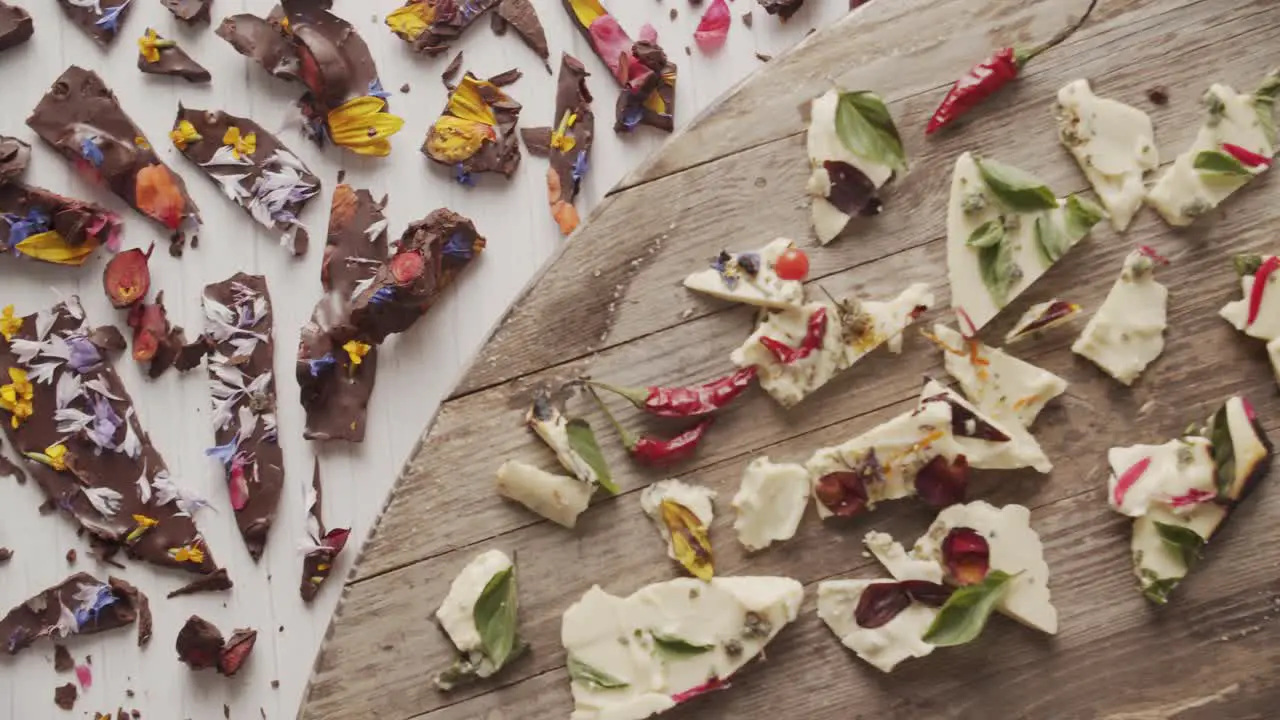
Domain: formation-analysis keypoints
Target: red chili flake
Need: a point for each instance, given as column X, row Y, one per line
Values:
column 711, row 685
column 815, row 334
column 1128, row 478
column 962, row 315
column 1248, row 409
column 966, row 555
column 407, row 267
column 1259, row 289
column 236, row 651
column 843, row 493
column 940, row 483
column 927, row 593
column 1151, row 253
column 127, row 278
column 1247, row 157
column 880, row 603
column 1194, row 496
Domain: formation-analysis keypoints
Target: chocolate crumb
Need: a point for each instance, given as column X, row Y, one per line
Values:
column 405, row 88
column 1158, row 95
column 71, row 555
column 5, row 554
column 275, row 684
column 135, row 713
column 763, row 57
column 65, row 696
column 674, row 13
column 226, row 711
column 281, row 628
column 121, row 714
column 687, row 51
column 128, row 693
column 199, row 644
column 62, row 660
column 748, row 19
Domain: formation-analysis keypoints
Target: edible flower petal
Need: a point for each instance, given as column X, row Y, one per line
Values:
column 689, row 539
column 560, row 139
column 362, row 126
column 966, row 555
column 9, row 325
column 410, row 21
column 356, row 351
column 51, row 247
column 713, row 29
column 940, row 483
column 150, row 45
column 184, row 135
column 16, row 397
column 110, row 20
column 321, row 364
column 187, row 553
column 157, row 194
column 144, row 524
column 240, row 145
column 454, row 139
column 54, row 456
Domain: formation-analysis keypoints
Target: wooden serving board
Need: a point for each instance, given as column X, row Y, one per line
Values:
column 611, row 305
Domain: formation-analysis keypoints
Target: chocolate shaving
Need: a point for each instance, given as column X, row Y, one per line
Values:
column 65, row 696
column 748, row 19
column 506, row 78
column 784, row 9
column 16, row 26
column 451, row 71
column 100, row 607
column 176, row 62
column 62, row 660
column 262, row 41
column 521, row 15
column 500, row 153
column 192, row 11
column 102, row 23
column 5, row 555
column 217, row 582
column 537, row 140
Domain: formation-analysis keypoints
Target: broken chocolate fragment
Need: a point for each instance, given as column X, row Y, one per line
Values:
column 5, row 555
column 77, row 427
column 62, row 660
column 199, row 643
column 451, row 70
column 217, row 582
column 476, row 131
column 237, row 650
column 192, row 11
column 253, row 168
column 79, row 605
column 154, row 339
column 569, row 144
column 784, row 9
column 431, row 25
column 239, row 319
column 99, row 19
column 262, row 41
column 65, row 696
column 498, row 24
column 521, row 15
column 15, row 26
column 15, row 155
column 325, row 545
column 45, row 226
column 507, row 77
column 140, row 603
column 81, row 119
column 537, row 140
column 158, row 56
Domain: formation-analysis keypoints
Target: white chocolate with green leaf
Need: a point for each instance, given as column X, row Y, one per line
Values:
column 1175, row 475
column 884, row 647
column 770, row 502
column 479, row 615
column 636, row 656
column 558, row 498
column 1266, row 323
column 1127, row 333
column 839, row 123
column 1001, row 385
column 697, row 499
column 1018, row 450
column 1005, row 229
column 1205, row 175
column 572, row 440
column 1114, row 144
column 750, row 278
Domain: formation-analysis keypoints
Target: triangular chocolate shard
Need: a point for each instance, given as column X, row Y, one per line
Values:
column 158, row 56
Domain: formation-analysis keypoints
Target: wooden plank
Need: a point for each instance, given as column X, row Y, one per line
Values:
column 618, row 278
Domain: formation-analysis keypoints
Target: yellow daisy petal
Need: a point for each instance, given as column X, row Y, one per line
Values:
column 467, row 103
column 587, row 11
column 51, row 247
column 361, row 126
column 454, row 140
column 9, row 325
column 410, row 21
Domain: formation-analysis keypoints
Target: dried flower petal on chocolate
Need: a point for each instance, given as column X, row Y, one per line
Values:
column 17, row 396
column 150, row 45
column 142, row 525
column 966, row 555
column 407, row 266
column 52, row 247
column 158, row 195
column 362, row 125
column 880, row 603
column 689, row 539
column 127, row 278
column 187, row 553
column 356, row 351
column 236, row 651
column 184, row 135
column 54, row 456
column 410, row 21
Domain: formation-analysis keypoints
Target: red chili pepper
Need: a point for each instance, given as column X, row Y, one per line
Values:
column 1260, row 278
column 1247, row 157
column 648, row 450
column 1151, row 253
column 711, row 685
column 985, row 78
column 815, row 334
column 683, row 402
column 1129, row 477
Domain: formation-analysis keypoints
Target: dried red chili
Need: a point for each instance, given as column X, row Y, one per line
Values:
column 1128, row 478
column 1150, row 252
column 815, row 334
column 985, row 78
column 941, row 484
column 649, row 450
column 682, row 402
column 1248, row 158
column 1259, row 289
column 966, row 556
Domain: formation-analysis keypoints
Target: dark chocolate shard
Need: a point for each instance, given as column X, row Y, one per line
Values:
column 155, row 341
column 264, row 42
column 42, row 225
column 79, row 605
column 16, row 26
column 64, row 696
column 62, row 660
column 140, row 603
column 569, row 145
column 432, row 25
column 451, row 70
column 199, row 643
column 537, row 140
column 81, row 119
column 253, row 169
column 192, row 11
column 86, row 447
column 784, row 9
column 240, row 321
column 335, row 391
column 521, row 15
column 507, row 77
column 15, row 155
column 5, row 553
column 337, row 65
column 236, row 651
column 158, row 56
column 107, row 338
column 326, row 545
column 217, row 582
column 476, row 132
column 99, row 19
column 498, row 24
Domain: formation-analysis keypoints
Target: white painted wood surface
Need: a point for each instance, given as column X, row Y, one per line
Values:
column 416, row 369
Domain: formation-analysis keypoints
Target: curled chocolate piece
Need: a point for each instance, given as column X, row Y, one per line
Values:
column 15, row 26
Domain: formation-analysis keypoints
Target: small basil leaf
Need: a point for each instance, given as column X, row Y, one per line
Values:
column 582, row 440
column 1050, row 240
column 866, row 129
column 1216, row 162
column 987, row 234
column 678, row 646
column 1080, row 215
column 965, row 613
column 591, row 677
column 1224, row 452
column 1184, row 540
column 998, row 270
column 1157, row 591
column 1016, row 189
column 495, row 617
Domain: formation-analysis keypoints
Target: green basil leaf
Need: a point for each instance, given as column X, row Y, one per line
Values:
column 591, row 677
column 1050, row 240
column 1269, row 90
column 1080, row 215
column 1157, row 591
column 1016, row 189
column 1224, row 452
column 866, row 129
column 987, row 234
column 998, row 270
column 962, row 618
column 495, row 617
column 1184, row 540
column 1216, row 162
column 582, row 441
column 678, row 646
column 1247, row 264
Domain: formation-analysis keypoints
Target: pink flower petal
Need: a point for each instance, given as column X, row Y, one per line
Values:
column 84, row 675
column 238, row 484
column 336, row 539
column 613, row 44
column 648, row 33
column 713, row 29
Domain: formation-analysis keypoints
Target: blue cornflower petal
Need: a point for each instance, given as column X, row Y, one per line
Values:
column 376, row 90
column 462, row 176
column 632, row 116
column 110, row 20
column 459, row 246
column 224, row 453
column 321, row 364
column 382, row 295
column 579, row 167
column 91, row 152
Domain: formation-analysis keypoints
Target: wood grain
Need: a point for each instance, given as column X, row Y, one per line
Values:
column 609, row 306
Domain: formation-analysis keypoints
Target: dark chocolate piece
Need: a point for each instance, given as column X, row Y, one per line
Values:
column 521, row 15
column 15, row 155
column 5, row 555
column 158, row 56
column 99, row 19
column 52, row 228
column 507, row 77
column 199, row 643
column 71, row 556
column 217, row 582
column 140, row 603
column 748, row 19
column 93, row 460
column 80, row 118
column 317, row 565
column 240, row 321
column 475, row 144
column 784, row 9
column 9, row 469
column 537, row 140
column 154, row 339
column 253, row 168
column 263, row 41
column 79, row 605
column 192, row 11
column 62, row 660
column 65, row 696
column 335, row 392
column 498, row 24
column 445, row 21
column 569, row 144
column 15, row 26
column 451, row 70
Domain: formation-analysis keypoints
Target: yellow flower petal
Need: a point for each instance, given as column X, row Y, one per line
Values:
column 185, row 134
column 689, row 539
column 360, row 125
column 587, row 11
column 53, row 248
column 467, row 103
column 655, row 103
column 410, row 21
column 454, row 140
column 9, row 325
column 356, row 350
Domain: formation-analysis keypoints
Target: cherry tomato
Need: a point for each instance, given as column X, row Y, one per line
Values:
column 793, row 265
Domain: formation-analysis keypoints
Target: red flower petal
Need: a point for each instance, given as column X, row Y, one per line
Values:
column 236, row 651
column 713, row 29
column 648, row 33
column 711, row 685
column 238, row 485
column 1128, row 478
column 927, row 593
column 127, row 279
column 407, row 267
column 940, row 483
column 1260, row 278
column 611, row 41
column 335, row 540
column 1193, row 496
column 879, row 604
column 84, row 675
column 966, row 556
column 1151, row 253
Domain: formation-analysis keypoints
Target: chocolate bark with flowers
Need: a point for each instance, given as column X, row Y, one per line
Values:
column 192, row 11
column 568, row 144
column 345, row 102
column 476, row 132
column 15, row 26
column 80, row 118
column 99, row 19
column 45, row 226
column 66, row 411
column 430, row 25
column 79, row 605
column 253, row 168
column 263, row 40
column 159, row 56
column 238, row 325
column 647, row 77
column 337, row 381
column 322, row 546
